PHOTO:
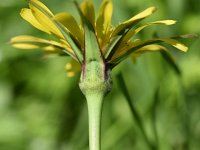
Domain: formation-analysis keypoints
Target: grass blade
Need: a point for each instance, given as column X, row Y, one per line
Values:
column 135, row 113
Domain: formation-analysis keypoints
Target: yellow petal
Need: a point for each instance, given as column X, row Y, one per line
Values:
column 25, row 46
column 51, row 49
column 27, row 15
column 170, row 41
column 134, row 46
column 129, row 23
column 104, row 21
column 70, row 23
column 122, row 50
column 26, row 38
column 175, row 43
column 148, row 48
column 44, row 18
column 72, row 68
column 49, row 46
column 28, row 42
column 31, row 42
column 87, row 8
column 104, row 18
column 43, row 6
column 133, row 32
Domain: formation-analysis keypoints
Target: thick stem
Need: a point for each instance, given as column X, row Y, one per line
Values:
column 94, row 103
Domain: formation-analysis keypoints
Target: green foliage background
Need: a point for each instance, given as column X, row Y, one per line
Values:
column 42, row 109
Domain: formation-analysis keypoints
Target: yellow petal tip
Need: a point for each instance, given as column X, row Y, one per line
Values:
column 181, row 47
column 185, row 49
column 152, row 9
column 170, row 22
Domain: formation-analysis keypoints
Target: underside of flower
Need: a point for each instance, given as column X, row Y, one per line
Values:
column 95, row 36
column 95, row 46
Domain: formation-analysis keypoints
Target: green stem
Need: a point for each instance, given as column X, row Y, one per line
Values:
column 95, row 83
column 94, row 103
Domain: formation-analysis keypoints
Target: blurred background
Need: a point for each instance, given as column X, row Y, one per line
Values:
column 43, row 109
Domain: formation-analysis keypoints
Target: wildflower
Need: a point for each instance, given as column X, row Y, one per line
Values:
column 95, row 44
column 114, row 42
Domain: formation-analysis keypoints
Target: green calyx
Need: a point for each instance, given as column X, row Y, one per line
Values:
column 95, row 78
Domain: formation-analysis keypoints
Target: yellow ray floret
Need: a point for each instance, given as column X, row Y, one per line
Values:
column 45, row 18
column 31, row 42
column 114, row 44
column 133, row 32
column 103, row 22
column 27, row 15
column 70, row 23
column 134, row 46
column 149, row 11
column 87, row 8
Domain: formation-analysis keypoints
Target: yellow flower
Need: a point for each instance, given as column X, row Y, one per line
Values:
column 115, row 43
column 95, row 46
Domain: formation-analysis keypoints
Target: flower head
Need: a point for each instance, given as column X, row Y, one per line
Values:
column 95, row 38
column 95, row 45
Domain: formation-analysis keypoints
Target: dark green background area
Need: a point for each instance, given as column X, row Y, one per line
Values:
column 43, row 109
